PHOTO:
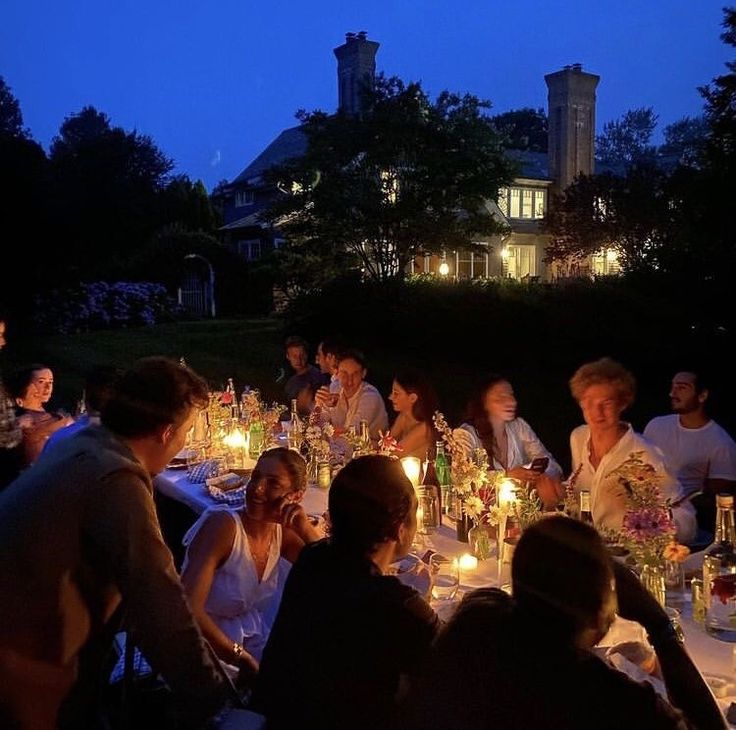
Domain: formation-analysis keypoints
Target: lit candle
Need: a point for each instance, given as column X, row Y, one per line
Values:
column 420, row 519
column 237, row 444
column 507, row 493
column 412, row 466
column 468, row 562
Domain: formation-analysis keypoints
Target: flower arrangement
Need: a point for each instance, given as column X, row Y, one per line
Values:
column 318, row 438
column 387, row 445
column 472, row 478
column 648, row 529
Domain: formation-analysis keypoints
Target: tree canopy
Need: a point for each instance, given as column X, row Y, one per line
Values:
column 408, row 176
column 628, row 140
column 523, row 129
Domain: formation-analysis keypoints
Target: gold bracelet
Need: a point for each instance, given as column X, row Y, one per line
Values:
column 238, row 651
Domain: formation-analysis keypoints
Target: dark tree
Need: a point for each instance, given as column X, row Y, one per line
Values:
column 11, row 118
column 684, row 140
column 628, row 140
column 109, row 184
column 523, row 129
column 625, row 214
column 408, row 176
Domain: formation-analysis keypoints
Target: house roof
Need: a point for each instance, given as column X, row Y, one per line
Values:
column 290, row 143
column 247, row 222
column 534, row 165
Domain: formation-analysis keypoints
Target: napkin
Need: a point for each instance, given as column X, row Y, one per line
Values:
column 200, row 473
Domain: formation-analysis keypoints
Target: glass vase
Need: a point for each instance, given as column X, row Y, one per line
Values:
column 653, row 579
column 482, row 541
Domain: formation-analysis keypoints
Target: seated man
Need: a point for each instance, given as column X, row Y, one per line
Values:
column 326, row 358
column 303, row 384
column 79, row 540
column 357, row 400
column 696, row 449
column 526, row 662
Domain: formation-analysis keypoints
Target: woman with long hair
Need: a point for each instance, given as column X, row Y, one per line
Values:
column 415, row 401
column 491, row 423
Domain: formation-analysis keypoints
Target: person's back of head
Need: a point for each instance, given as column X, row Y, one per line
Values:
column 562, row 577
column 154, row 392
column 369, row 499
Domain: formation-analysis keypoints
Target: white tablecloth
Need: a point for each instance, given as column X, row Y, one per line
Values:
column 713, row 657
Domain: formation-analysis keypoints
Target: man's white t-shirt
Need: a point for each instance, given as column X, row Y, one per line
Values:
column 693, row 454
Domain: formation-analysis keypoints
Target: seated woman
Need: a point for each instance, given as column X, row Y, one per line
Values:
column 346, row 632
column 30, row 389
column 415, row 401
column 511, row 444
column 604, row 389
column 237, row 561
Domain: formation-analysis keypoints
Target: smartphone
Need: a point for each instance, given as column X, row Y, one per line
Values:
column 539, row 464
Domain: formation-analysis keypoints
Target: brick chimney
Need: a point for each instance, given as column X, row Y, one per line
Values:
column 356, row 69
column 571, row 111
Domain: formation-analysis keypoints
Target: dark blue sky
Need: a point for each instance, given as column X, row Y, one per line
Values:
column 213, row 83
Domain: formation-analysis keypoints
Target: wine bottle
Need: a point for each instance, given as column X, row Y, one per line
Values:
column 585, row 514
column 430, row 480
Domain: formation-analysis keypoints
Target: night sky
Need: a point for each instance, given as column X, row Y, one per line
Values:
column 214, row 83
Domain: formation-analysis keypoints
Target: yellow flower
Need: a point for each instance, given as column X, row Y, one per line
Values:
column 675, row 552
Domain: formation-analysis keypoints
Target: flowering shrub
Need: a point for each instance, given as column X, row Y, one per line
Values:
column 101, row 305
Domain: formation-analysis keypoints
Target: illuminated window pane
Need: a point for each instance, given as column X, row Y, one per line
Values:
column 539, row 196
column 526, row 203
column 515, row 203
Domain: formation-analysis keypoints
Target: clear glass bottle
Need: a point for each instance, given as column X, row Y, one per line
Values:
column 294, row 435
column 719, row 574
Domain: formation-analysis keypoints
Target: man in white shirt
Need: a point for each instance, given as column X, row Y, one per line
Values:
column 699, row 451
column 326, row 359
column 357, row 400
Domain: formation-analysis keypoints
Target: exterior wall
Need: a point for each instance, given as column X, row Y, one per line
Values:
column 571, row 118
column 356, row 68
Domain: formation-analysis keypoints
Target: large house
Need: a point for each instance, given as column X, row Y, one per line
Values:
column 519, row 254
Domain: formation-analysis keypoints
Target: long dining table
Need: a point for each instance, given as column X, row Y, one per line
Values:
column 715, row 659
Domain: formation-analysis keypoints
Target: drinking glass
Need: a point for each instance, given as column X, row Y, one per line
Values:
column 674, row 583
column 445, row 577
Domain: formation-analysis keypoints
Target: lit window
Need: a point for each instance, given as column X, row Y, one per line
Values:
column 539, row 203
column 524, row 203
column 515, row 207
column 389, row 186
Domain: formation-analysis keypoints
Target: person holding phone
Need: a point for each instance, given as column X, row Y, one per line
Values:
column 491, row 423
